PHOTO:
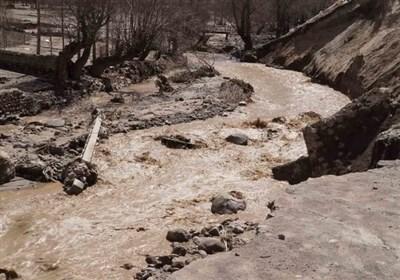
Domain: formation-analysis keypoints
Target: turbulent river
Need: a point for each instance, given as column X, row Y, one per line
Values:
column 146, row 188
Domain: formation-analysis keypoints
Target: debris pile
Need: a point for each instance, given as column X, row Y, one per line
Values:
column 131, row 72
column 79, row 175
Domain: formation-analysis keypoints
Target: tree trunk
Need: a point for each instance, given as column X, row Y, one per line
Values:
column 39, row 31
column 77, row 68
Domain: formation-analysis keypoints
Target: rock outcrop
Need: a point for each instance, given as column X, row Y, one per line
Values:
column 354, row 139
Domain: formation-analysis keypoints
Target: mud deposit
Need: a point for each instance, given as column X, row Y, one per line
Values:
column 145, row 188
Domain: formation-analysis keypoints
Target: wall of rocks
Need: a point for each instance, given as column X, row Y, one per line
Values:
column 14, row 101
column 27, row 63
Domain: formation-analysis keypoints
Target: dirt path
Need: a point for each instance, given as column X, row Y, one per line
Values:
column 146, row 188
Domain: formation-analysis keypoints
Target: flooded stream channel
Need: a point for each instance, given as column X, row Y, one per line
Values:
column 146, row 188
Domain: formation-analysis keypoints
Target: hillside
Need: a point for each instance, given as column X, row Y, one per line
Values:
column 353, row 46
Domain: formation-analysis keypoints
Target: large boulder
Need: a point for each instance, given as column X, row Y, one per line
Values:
column 353, row 140
column 343, row 143
column 7, row 168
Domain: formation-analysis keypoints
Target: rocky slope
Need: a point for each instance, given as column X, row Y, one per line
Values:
column 330, row 231
column 354, row 47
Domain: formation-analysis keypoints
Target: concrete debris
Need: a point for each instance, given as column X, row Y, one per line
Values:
column 79, row 175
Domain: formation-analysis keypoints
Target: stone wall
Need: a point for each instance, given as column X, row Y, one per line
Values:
column 14, row 101
column 37, row 65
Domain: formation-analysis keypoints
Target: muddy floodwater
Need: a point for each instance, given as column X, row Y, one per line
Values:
column 146, row 188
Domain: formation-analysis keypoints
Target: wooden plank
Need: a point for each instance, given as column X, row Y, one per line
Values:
column 92, row 140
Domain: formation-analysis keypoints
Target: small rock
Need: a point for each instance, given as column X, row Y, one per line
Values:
column 242, row 103
column 160, row 261
column 178, row 235
column 238, row 139
column 281, row 237
column 210, row 245
column 203, row 253
column 214, row 231
column 178, row 249
column 237, row 229
column 178, row 263
column 127, row 266
column 227, row 204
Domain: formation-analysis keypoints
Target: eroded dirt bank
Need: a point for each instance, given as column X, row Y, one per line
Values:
column 146, row 188
column 353, row 46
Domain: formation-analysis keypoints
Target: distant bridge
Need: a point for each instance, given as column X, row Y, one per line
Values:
column 225, row 30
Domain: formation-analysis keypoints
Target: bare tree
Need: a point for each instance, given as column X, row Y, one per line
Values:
column 89, row 16
column 242, row 11
column 38, row 28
